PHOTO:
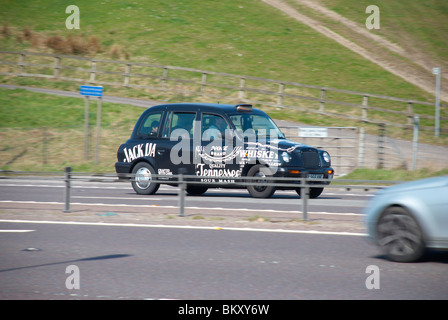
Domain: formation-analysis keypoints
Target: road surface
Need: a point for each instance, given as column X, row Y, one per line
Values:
column 120, row 257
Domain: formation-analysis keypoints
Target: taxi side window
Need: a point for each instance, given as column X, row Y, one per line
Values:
column 213, row 126
column 150, row 126
column 181, row 123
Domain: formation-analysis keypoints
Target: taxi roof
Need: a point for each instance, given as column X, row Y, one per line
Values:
column 210, row 107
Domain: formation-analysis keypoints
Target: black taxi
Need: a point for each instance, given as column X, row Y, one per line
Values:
column 220, row 144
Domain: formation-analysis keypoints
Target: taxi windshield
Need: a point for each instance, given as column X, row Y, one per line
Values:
column 256, row 124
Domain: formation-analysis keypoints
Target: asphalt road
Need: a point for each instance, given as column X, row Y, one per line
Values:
column 138, row 262
column 167, row 259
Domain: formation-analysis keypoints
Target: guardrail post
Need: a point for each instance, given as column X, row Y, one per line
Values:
column 182, row 188
column 67, row 179
column 304, row 194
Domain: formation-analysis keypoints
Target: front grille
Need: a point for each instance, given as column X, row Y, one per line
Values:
column 310, row 159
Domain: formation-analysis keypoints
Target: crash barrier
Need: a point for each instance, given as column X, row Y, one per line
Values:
column 326, row 101
column 182, row 180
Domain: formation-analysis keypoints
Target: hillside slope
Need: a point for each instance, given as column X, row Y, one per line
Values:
column 414, row 66
column 246, row 38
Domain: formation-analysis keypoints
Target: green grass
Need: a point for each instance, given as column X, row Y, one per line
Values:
column 392, row 175
column 245, row 38
column 40, row 132
column 25, row 109
column 248, row 38
column 413, row 24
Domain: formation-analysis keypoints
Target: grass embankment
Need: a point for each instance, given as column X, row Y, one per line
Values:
column 41, row 132
column 392, row 175
column 416, row 26
column 249, row 38
column 223, row 36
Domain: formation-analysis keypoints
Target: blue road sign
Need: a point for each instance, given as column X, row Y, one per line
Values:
column 93, row 91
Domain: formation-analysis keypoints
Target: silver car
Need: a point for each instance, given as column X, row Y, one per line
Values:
column 405, row 219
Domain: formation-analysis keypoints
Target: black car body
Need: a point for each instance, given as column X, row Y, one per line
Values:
column 219, row 144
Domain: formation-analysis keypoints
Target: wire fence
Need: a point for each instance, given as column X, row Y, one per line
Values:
column 346, row 104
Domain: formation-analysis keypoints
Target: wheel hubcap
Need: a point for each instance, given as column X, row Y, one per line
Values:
column 261, row 179
column 399, row 234
column 143, row 178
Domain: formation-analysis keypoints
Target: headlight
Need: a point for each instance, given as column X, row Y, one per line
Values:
column 286, row 156
column 326, row 157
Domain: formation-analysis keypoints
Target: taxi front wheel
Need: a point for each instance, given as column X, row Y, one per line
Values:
column 143, row 183
column 314, row 192
column 259, row 189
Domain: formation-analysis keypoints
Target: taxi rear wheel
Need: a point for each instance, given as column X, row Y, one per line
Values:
column 143, row 181
column 196, row 190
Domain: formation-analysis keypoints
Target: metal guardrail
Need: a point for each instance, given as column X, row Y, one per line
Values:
column 182, row 180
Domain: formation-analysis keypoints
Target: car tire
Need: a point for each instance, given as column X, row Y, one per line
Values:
column 260, row 191
column 314, row 192
column 399, row 235
column 142, row 182
column 196, row 190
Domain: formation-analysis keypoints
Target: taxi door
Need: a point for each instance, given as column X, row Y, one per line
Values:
column 216, row 157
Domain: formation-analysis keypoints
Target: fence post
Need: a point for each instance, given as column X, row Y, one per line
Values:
column 127, row 72
column 415, row 142
column 365, row 103
column 203, row 82
column 411, row 112
column 281, row 88
column 67, row 179
column 164, row 78
column 98, row 130
column 361, row 147
column 93, row 72
column 22, row 63
column 44, row 145
column 322, row 101
column 86, row 128
column 241, row 89
column 380, row 152
column 56, row 67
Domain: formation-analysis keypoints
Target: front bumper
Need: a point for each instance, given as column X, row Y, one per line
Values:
column 297, row 172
